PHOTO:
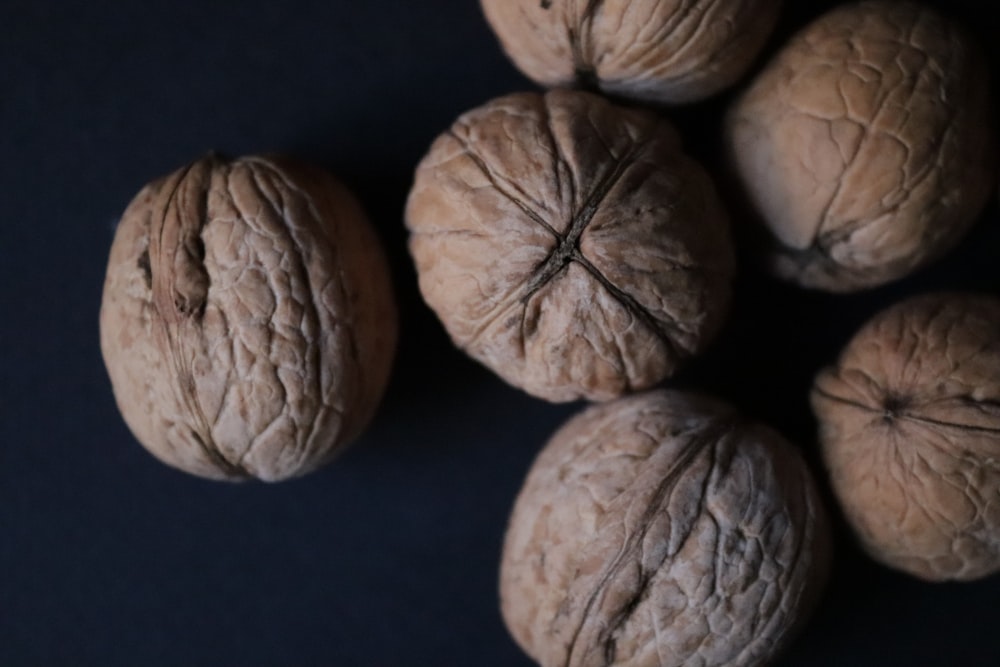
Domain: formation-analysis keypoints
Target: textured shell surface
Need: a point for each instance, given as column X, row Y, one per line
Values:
column 570, row 245
column 247, row 322
column 658, row 51
column 910, row 431
column 662, row 529
column 866, row 146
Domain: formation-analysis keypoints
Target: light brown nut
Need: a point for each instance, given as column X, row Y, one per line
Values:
column 910, row 429
column 665, row 51
column 247, row 323
column 661, row 530
column 866, row 145
column 569, row 245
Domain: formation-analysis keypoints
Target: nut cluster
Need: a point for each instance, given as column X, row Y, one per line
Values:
column 571, row 246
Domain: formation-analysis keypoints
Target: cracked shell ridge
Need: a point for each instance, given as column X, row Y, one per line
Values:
column 569, row 244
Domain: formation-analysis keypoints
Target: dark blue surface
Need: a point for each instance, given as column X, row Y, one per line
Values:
column 389, row 556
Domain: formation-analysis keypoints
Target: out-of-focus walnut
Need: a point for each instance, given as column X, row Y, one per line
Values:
column 659, row 530
column 664, row 51
column 247, row 322
column 910, row 429
column 866, row 145
column 569, row 245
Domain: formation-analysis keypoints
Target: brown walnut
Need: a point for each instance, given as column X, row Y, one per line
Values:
column 865, row 146
column 569, row 245
column 665, row 51
column 658, row 530
column 910, row 428
column 247, row 322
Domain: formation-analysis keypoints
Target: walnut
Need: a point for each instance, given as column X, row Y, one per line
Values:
column 247, row 322
column 865, row 145
column 910, row 430
column 659, row 530
column 569, row 245
column 662, row 51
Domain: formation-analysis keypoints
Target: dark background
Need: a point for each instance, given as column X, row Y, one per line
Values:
column 389, row 556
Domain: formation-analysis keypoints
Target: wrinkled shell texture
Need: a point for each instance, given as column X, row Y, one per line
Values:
column 665, row 51
column 569, row 245
column 662, row 530
column 910, row 430
column 247, row 322
column 866, row 145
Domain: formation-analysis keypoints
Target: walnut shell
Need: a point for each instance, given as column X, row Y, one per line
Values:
column 569, row 245
column 659, row 530
column 910, row 429
column 663, row 51
column 866, row 145
column 247, row 323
